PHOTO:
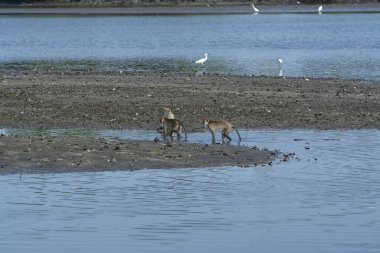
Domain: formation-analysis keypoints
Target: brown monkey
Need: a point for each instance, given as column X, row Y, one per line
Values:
column 172, row 125
column 168, row 114
column 226, row 127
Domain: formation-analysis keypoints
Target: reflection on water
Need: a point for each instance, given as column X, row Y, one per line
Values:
column 333, row 45
column 123, row 134
column 328, row 201
column 48, row 132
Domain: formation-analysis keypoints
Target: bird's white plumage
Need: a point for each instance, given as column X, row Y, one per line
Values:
column 320, row 9
column 201, row 61
column 255, row 9
column 280, row 62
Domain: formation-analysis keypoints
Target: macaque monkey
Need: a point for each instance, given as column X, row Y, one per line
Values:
column 172, row 125
column 168, row 114
column 226, row 127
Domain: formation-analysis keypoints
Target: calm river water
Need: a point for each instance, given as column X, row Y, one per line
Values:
column 327, row 201
column 341, row 44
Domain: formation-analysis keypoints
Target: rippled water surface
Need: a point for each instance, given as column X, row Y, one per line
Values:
column 337, row 44
column 327, row 201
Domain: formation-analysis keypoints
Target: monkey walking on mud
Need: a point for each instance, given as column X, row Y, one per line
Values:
column 226, row 127
column 168, row 114
column 172, row 125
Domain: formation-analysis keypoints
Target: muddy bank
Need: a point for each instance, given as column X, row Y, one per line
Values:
column 135, row 101
column 57, row 154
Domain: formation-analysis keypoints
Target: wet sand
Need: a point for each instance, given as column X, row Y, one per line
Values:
column 44, row 154
column 135, row 101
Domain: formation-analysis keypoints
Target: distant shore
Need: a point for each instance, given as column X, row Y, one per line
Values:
column 185, row 9
column 172, row 3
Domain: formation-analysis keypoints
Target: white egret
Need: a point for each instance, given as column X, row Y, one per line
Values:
column 320, row 9
column 280, row 62
column 255, row 9
column 201, row 61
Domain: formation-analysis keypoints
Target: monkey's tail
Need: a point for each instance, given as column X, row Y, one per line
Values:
column 237, row 131
column 184, row 130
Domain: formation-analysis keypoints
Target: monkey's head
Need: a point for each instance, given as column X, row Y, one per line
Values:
column 205, row 121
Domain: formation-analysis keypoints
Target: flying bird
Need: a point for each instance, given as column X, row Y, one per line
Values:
column 255, row 9
column 203, row 60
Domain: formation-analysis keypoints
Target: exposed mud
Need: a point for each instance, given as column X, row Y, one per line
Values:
column 135, row 101
column 57, row 154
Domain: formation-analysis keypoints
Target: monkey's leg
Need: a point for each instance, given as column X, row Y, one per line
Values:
column 228, row 137
column 165, row 133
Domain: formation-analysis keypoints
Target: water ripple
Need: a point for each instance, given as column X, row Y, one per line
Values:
column 328, row 201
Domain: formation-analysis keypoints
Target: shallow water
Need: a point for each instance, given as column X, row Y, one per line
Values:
column 341, row 44
column 327, row 201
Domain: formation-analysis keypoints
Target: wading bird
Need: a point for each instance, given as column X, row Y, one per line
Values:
column 203, row 60
column 320, row 9
column 255, row 9
column 280, row 62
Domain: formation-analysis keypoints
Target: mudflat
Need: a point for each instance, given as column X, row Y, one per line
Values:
column 45, row 154
column 106, row 100
column 136, row 100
